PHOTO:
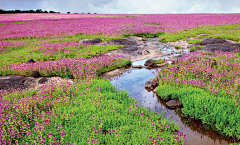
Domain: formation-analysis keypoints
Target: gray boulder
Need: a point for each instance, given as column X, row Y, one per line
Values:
column 173, row 104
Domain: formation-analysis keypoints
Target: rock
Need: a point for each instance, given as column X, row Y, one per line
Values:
column 144, row 39
column 124, row 42
column 173, row 104
column 217, row 44
column 145, row 52
column 151, row 84
column 96, row 40
column 42, row 80
column 149, row 62
column 35, row 74
column 30, row 61
column 155, row 91
column 137, row 66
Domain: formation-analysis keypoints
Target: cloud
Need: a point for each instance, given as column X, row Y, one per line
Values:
column 127, row 6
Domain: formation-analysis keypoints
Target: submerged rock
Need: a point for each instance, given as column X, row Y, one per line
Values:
column 173, row 104
column 137, row 66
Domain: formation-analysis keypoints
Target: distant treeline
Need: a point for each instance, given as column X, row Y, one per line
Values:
column 30, row 11
column 25, row 11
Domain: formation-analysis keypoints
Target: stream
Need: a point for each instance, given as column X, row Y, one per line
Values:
column 133, row 80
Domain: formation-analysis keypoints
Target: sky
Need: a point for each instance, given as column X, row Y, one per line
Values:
column 125, row 6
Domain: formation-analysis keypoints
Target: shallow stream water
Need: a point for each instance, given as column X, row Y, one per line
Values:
column 133, row 81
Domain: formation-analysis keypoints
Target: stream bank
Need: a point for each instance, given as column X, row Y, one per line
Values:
column 133, row 80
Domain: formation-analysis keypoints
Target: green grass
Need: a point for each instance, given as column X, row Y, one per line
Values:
column 80, row 108
column 193, row 41
column 159, row 61
column 77, row 119
column 177, row 47
column 144, row 35
column 217, row 31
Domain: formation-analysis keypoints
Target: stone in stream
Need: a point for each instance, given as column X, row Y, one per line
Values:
column 30, row 61
column 35, row 74
column 173, row 104
column 151, row 84
column 149, row 62
column 137, row 66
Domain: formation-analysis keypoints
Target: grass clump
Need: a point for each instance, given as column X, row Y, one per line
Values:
column 193, row 41
column 206, row 86
column 144, row 35
column 229, row 32
column 192, row 49
column 87, row 113
column 159, row 61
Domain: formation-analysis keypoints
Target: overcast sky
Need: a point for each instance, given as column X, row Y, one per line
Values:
column 126, row 6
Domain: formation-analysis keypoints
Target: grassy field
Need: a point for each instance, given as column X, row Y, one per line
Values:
column 92, row 111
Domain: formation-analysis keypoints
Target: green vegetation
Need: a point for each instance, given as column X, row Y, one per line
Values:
column 215, row 111
column 193, row 41
column 230, row 32
column 88, row 111
column 201, row 46
column 177, row 47
column 159, row 61
column 192, row 49
column 208, row 88
column 144, row 35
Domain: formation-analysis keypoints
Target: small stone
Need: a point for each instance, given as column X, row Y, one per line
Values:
column 137, row 66
column 30, row 61
column 149, row 62
column 173, row 104
column 145, row 52
column 155, row 91
column 42, row 80
column 35, row 74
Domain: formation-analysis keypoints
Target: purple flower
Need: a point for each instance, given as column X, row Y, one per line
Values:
column 62, row 134
column 184, row 136
column 161, row 138
column 204, row 106
column 142, row 114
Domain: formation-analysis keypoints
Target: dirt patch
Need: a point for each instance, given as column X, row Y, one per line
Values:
column 27, row 83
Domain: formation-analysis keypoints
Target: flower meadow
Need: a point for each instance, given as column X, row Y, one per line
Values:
column 208, row 87
column 91, row 110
